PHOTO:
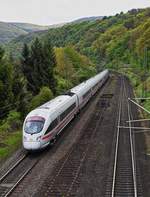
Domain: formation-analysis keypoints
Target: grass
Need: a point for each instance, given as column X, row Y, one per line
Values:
column 3, row 152
column 11, row 141
column 10, row 134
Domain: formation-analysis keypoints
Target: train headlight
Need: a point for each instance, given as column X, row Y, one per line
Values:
column 38, row 138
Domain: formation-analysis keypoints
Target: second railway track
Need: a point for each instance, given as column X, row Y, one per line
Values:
column 122, row 181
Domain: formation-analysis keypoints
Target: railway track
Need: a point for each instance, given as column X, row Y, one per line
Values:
column 13, row 176
column 123, row 175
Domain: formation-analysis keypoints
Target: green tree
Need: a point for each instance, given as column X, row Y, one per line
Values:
column 44, row 95
column 38, row 65
column 49, row 64
column 6, row 95
column 1, row 53
column 27, row 67
column 36, row 62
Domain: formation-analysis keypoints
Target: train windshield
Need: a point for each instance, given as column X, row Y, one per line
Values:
column 33, row 126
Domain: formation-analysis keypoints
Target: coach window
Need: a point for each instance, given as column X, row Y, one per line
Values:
column 86, row 94
column 67, row 111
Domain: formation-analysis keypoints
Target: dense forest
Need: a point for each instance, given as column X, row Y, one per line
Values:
column 36, row 67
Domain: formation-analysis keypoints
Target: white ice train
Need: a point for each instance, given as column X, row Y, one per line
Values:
column 44, row 123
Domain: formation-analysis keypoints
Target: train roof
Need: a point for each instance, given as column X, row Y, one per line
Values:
column 78, row 87
column 54, row 103
column 89, row 82
column 50, row 107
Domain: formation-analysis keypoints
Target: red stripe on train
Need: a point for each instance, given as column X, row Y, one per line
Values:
column 46, row 136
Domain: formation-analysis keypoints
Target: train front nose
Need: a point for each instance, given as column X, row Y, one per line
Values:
column 32, row 145
column 32, row 132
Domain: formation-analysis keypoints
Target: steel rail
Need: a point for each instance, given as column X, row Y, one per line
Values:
column 132, row 149
column 131, row 144
column 85, row 153
column 117, row 145
column 21, row 178
column 80, row 164
column 13, row 167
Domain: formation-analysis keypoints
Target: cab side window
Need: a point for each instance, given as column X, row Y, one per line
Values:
column 53, row 124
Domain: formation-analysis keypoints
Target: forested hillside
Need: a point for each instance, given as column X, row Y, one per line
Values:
column 122, row 37
column 9, row 31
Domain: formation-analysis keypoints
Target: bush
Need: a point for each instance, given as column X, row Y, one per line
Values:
column 63, row 85
column 12, row 123
column 44, row 95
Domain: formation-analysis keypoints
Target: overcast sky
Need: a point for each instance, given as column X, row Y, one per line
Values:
column 48, row 12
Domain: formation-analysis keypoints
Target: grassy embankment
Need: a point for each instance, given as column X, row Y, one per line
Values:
column 9, row 143
column 10, row 135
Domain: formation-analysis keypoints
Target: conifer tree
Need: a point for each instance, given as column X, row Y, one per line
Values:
column 36, row 59
column 5, row 85
column 1, row 53
column 49, row 63
column 27, row 67
column 38, row 65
